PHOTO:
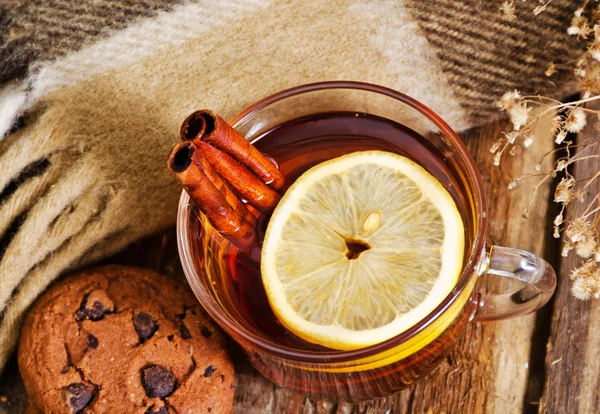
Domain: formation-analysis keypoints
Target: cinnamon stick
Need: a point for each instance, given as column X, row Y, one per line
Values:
column 232, row 199
column 205, row 125
column 242, row 182
column 207, row 196
column 193, row 126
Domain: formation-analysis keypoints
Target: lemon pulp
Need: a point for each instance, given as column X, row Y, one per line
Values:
column 360, row 248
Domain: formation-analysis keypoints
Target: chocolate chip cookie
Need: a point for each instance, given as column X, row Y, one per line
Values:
column 121, row 339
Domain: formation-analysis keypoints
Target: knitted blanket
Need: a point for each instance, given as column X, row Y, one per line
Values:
column 92, row 93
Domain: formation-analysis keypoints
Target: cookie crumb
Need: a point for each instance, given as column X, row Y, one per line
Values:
column 3, row 399
column 205, row 332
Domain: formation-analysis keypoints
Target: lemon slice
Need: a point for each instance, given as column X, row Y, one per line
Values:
column 360, row 248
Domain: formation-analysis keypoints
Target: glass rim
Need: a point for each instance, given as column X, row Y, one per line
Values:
column 333, row 356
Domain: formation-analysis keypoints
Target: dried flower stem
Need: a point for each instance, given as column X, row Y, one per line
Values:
column 585, row 213
column 535, row 190
column 581, row 233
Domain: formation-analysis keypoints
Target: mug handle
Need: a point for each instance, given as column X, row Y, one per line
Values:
column 524, row 266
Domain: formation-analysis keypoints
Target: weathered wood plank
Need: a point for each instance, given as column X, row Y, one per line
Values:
column 573, row 358
column 512, row 348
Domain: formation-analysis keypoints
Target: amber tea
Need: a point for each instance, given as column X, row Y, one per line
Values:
column 297, row 146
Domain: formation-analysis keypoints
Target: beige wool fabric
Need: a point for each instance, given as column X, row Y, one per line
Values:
column 84, row 175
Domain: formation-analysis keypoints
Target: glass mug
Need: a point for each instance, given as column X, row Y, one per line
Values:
column 385, row 368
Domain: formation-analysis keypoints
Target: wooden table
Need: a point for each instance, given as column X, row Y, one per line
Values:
column 548, row 362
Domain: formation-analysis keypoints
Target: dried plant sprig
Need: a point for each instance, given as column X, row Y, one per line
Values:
column 541, row 8
column 580, row 234
column 586, row 279
column 508, row 9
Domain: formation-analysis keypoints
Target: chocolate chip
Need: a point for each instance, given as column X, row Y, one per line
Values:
column 209, row 409
column 64, row 370
column 95, row 312
column 144, row 325
column 94, row 306
column 80, row 395
column 209, row 371
column 170, row 338
column 183, row 330
column 183, row 314
column 222, row 376
column 161, row 410
column 205, row 332
column 92, row 341
column 158, row 381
